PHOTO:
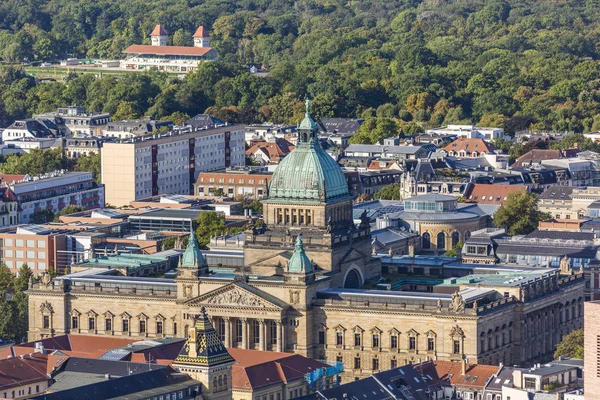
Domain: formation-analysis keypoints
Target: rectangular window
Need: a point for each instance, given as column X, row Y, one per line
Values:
column 31, row 243
column 142, row 326
column 30, row 254
column 20, row 254
column 91, row 323
column 456, row 347
column 357, row 339
column 174, row 328
column 74, row 322
column 412, row 343
column 339, row 339
column 159, row 327
column 108, row 324
column 394, row 342
column 375, row 340
column 375, row 364
column 321, row 337
column 393, row 363
column 125, row 325
column 46, row 322
column 41, row 244
column 430, row 344
column 356, row 362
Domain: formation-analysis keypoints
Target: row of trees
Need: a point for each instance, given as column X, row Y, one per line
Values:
column 504, row 63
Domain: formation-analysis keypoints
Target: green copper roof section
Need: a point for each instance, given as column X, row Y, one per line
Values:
column 203, row 347
column 299, row 261
column 192, row 257
column 308, row 172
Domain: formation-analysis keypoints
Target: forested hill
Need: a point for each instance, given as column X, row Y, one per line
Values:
column 518, row 63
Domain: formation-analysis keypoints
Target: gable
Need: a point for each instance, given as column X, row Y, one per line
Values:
column 238, row 294
column 277, row 260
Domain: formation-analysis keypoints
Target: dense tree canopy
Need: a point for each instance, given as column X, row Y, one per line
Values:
column 519, row 214
column 516, row 64
column 571, row 345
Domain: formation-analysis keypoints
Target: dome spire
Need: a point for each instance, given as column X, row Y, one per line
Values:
column 308, row 128
column 299, row 261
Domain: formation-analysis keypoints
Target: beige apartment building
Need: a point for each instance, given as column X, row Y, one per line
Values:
column 233, row 182
column 167, row 163
column 33, row 245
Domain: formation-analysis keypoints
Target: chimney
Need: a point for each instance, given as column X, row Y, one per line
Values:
column 517, row 378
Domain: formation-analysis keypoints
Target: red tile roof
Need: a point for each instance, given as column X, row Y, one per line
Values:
column 469, row 146
column 158, row 31
column 8, row 178
column 255, row 369
column 167, row 50
column 491, row 194
column 19, row 371
column 201, row 32
column 275, row 151
column 444, row 372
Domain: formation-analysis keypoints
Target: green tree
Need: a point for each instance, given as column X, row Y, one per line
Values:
column 389, row 192
column 209, row 224
column 125, row 110
column 70, row 209
column 20, row 309
column 454, row 251
column 519, row 214
column 41, row 217
column 91, row 162
column 21, row 282
column 7, row 280
column 571, row 345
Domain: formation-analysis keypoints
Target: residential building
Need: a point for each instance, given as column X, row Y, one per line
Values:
column 536, row 156
column 258, row 374
column 302, row 290
column 268, row 132
column 26, row 144
column 591, row 374
column 177, row 59
column 269, row 152
column 167, row 163
column 203, row 121
column 23, row 377
column 396, row 152
column 30, row 129
column 372, row 182
column 469, row 132
column 53, row 192
column 423, row 179
column 232, row 182
column 135, row 127
column 471, row 148
column 76, row 120
column 83, row 146
column 339, row 130
column 490, row 194
column 38, row 247
column 568, row 202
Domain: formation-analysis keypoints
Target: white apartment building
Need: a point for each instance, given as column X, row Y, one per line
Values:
column 468, row 131
column 168, row 163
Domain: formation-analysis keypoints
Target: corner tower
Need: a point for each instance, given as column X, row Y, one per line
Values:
column 201, row 38
column 308, row 194
column 192, row 265
column 205, row 358
column 158, row 36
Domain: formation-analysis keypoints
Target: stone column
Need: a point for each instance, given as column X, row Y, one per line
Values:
column 283, row 336
column 261, row 332
column 227, row 332
column 244, row 333
column 279, row 337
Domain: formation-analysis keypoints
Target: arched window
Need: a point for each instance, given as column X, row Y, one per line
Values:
column 467, row 235
column 225, row 380
column 353, row 280
column 220, row 381
column 455, row 238
column 214, row 382
column 426, row 240
column 441, row 241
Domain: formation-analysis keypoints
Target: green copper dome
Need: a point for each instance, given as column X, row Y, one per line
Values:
column 308, row 172
column 299, row 261
column 192, row 257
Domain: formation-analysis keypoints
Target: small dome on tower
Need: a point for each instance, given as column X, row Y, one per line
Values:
column 299, row 261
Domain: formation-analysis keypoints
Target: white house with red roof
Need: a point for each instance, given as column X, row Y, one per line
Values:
column 177, row 59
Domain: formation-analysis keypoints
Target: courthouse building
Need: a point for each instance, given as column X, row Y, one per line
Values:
column 301, row 291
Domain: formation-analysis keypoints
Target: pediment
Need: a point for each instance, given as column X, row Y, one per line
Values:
column 277, row 260
column 238, row 294
column 352, row 255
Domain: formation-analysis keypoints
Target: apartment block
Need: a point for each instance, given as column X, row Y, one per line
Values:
column 40, row 248
column 233, row 182
column 53, row 192
column 168, row 163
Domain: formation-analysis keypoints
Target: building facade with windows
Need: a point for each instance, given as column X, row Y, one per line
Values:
column 233, row 182
column 301, row 291
column 168, row 163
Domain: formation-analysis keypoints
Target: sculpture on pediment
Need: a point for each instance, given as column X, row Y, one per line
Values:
column 46, row 307
column 439, row 305
column 46, row 279
column 235, row 297
column 457, row 332
column 458, row 303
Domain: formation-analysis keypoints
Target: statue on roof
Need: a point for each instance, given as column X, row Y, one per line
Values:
column 458, row 303
column 565, row 266
column 329, row 225
column 364, row 219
